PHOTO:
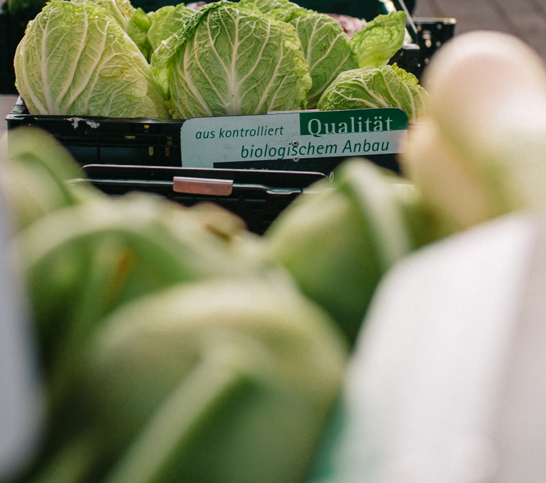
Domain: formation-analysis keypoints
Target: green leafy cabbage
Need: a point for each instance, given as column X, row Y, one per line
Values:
column 74, row 60
column 385, row 86
column 232, row 61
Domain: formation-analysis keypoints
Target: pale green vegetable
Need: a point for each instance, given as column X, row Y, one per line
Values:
column 385, row 86
column 380, row 39
column 339, row 241
column 283, row 11
column 74, row 60
column 86, row 258
column 168, row 354
column 480, row 151
column 132, row 20
column 226, row 380
column 232, row 61
column 35, row 168
column 166, row 21
column 327, row 48
column 431, row 367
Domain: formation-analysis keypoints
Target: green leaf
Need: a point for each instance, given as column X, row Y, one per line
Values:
column 225, row 380
column 265, row 6
column 380, row 39
column 340, row 241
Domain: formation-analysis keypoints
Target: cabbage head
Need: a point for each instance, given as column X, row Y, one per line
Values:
column 74, row 59
column 230, row 60
column 365, row 88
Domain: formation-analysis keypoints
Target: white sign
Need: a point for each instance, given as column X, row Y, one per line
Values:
column 293, row 135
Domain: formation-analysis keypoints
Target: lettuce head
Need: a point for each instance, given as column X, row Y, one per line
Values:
column 75, row 59
column 230, row 60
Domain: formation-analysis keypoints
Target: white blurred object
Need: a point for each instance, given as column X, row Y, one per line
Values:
column 478, row 150
column 20, row 392
column 448, row 380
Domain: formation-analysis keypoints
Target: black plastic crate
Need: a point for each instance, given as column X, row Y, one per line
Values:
column 432, row 33
column 151, row 142
column 256, row 196
column 108, row 140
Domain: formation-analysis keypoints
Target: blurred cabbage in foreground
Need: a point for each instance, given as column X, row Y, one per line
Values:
column 169, row 349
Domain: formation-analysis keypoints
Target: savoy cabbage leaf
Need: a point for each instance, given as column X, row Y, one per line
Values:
column 326, row 46
column 137, row 28
column 266, row 6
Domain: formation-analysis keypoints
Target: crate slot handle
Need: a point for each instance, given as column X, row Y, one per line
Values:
column 202, row 186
